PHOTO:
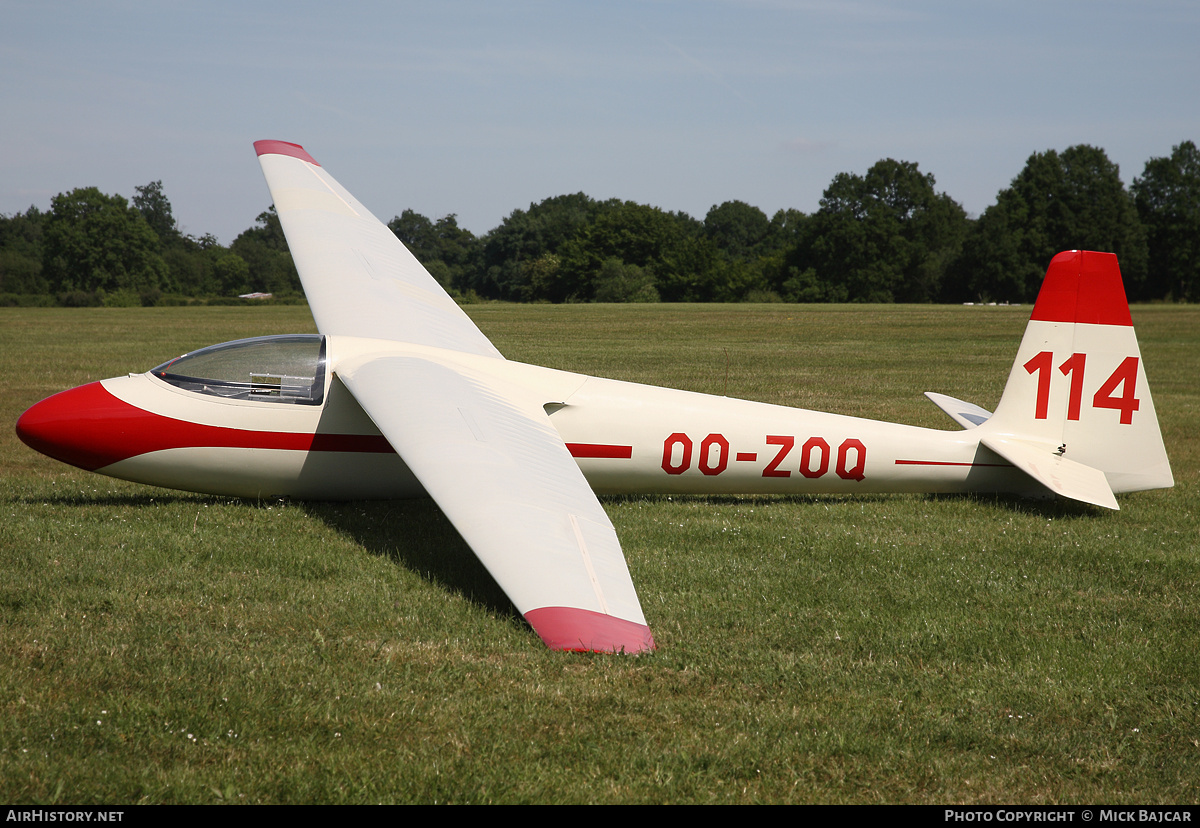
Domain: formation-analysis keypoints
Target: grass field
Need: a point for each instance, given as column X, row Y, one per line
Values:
column 163, row 647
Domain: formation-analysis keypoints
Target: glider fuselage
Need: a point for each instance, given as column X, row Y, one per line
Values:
column 626, row 438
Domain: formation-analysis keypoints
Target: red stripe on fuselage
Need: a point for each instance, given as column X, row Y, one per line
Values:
column 948, row 463
column 600, row 450
column 90, row 428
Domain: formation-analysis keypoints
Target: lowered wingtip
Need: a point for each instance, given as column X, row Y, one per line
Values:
column 583, row 631
column 284, row 148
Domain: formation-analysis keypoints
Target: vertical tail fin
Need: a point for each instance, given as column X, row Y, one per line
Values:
column 1078, row 388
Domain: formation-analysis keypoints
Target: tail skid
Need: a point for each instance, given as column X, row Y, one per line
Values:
column 1076, row 414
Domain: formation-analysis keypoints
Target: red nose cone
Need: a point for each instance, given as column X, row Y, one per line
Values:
column 86, row 427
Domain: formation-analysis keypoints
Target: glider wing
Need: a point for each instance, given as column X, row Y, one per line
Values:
column 504, row 478
column 490, row 458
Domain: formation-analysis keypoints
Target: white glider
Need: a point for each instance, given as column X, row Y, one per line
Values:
column 401, row 395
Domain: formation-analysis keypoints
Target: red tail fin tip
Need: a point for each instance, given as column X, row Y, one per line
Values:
column 1083, row 287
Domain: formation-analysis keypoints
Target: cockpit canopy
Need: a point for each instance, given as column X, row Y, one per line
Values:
column 283, row 369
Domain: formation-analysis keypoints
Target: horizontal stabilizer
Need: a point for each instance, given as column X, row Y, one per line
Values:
column 967, row 415
column 1058, row 474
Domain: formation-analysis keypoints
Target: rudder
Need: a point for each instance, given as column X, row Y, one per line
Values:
column 1078, row 387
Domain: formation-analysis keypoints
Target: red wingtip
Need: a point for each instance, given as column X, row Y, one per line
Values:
column 284, row 148
column 584, row 631
column 1083, row 286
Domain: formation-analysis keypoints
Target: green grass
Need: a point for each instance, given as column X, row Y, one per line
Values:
column 164, row 647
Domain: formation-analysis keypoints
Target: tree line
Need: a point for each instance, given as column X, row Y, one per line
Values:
column 885, row 236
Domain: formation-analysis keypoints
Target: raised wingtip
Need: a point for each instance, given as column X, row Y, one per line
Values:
column 583, row 631
column 284, row 148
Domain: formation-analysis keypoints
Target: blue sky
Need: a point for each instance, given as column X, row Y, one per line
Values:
column 479, row 108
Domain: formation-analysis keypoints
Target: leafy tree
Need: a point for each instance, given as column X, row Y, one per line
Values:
column 558, row 249
column 787, row 227
column 670, row 246
column 449, row 252
column 267, row 231
column 749, row 244
column 458, row 250
column 515, row 253
column 418, row 234
column 690, row 269
column 805, row 286
column 544, row 227
column 190, row 268
column 97, row 242
column 193, row 266
column 1168, row 202
column 1072, row 200
column 264, row 251
column 21, row 252
column 738, row 229
column 883, row 237
column 190, row 261
column 620, row 282
column 231, row 275
column 154, row 206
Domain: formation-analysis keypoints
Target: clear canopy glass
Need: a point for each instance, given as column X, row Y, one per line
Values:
column 285, row 369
